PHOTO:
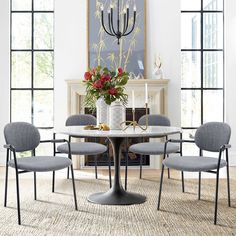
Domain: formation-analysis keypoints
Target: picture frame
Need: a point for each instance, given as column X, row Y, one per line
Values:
column 103, row 49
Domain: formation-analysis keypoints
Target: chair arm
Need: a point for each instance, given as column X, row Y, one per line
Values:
column 54, row 141
column 10, row 147
column 224, row 147
column 180, row 141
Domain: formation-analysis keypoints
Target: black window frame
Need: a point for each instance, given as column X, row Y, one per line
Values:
column 32, row 50
column 202, row 50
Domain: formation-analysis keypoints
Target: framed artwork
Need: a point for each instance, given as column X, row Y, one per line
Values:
column 103, row 49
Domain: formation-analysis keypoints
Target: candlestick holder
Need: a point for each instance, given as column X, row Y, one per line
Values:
column 134, row 123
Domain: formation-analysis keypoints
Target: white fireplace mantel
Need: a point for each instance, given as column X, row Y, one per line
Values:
column 157, row 91
column 157, row 97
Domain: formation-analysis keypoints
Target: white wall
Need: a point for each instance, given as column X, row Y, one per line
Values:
column 163, row 36
column 70, row 50
column 4, row 72
column 230, row 46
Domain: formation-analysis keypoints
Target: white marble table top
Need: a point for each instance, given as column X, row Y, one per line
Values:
column 152, row 131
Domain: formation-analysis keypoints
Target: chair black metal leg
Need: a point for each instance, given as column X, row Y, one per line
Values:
column 18, row 197
column 199, row 185
column 68, row 173
column 126, row 168
column 160, row 189
column 6, row 183
column 53, row 181
column 141, row 166
column 35, row 187
column 6, row 179
column 109, row 168
column 96, row 166
column 216, row 197
column 168, row 171
column 228, row 178
column 182, row 178
column 74, row 190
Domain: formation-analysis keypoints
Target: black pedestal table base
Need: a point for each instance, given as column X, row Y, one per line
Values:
column 116, row 195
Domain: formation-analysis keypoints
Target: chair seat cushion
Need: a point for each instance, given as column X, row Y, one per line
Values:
column 41, row 163
column 193, row 163
column 153, row 148
column 83, row 148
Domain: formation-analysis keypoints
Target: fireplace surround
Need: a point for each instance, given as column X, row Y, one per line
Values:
column 158, row 100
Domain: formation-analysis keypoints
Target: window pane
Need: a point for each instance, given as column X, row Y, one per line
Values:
column 213, row 69
column 43, row 69
column 21, row 70
column 40, row 5
column 21, row 30
column 191, row 108
column 21, row 106
column 43, row 108
column 189, row 149
column 45, row 149
column 213, row 5
column 190, row 30
column 191, row 69
column 213, row 106
column 213, row 30
column 189, row 5
column 43, row 30
column 21, row 5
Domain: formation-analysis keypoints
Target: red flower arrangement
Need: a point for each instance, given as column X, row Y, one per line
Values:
column 103, row 83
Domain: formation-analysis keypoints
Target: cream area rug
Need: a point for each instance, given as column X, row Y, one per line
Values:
column 181, row 213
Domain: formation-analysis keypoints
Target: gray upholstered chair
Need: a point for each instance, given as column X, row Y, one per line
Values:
column 84, row 148
column 154, row 148
column 212, row 137
column 21, row 137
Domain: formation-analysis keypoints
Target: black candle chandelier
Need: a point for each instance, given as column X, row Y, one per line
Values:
column 118, row 33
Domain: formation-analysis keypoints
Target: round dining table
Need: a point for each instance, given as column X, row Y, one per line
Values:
column 116, row 195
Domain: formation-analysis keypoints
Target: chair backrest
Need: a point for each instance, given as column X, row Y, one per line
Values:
column 81, row 120
column 22, row 136
column 155, row 120
column 212, row 135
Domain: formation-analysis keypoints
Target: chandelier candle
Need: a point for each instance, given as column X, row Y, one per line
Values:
column 118, row 32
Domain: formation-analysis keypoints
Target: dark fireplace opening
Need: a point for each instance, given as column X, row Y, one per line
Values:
column 133, row 159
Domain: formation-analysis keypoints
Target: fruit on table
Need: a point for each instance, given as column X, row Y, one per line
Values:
column 104, row 127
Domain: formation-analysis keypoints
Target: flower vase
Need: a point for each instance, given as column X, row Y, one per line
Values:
column 116, row 116
column 102, row 111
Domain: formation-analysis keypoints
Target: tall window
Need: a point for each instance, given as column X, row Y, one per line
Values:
column 32, row 62
column 202, row 75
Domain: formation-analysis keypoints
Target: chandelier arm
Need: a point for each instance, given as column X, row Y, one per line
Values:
column 118, row 16
column 124, row 24
column 133, row 25
column 109, row 24
column 127, row 22
column 104, row 27
column 112, row 25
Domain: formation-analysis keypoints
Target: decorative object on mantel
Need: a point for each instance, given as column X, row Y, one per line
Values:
column 158, row 72
column 104, row 87
column 125, row 31
column 134, row 123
